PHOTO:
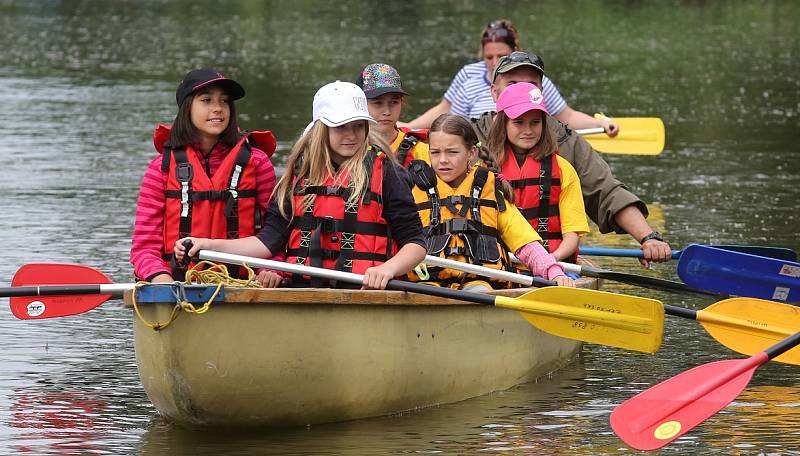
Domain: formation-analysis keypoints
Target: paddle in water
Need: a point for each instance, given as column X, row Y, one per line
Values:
column 739, row 274
column 670, row 409
column 779, row 253
column 591, row 316
column 41, row 290
column 745, row 325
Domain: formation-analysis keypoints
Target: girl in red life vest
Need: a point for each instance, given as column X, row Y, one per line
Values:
column 209, row 179
column 335, row 204
column 546, row 187
column 386, row 98
column 468, row 212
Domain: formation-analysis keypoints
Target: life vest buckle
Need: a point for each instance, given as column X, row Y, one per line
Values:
column 183, row 172
column 332, row 191
column 328, row 225
column 233, row 193
column 458, row 226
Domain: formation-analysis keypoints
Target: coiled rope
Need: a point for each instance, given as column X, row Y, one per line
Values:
column 204, row 272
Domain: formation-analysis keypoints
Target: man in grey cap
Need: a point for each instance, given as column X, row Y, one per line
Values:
column 608, row 202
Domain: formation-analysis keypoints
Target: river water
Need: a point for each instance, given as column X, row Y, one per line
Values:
column 84, row 83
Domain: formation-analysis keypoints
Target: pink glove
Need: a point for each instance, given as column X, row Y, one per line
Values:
column 539, row 261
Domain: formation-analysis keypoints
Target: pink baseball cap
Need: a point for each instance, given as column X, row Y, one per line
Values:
column 519, row 98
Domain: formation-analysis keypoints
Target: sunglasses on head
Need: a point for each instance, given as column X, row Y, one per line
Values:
column 495, row 31
column 520, row 57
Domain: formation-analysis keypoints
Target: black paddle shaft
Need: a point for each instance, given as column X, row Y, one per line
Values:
column 645, row 281
column 459, row 295
column 51, row 290
column 783, row 346
column 680, row 312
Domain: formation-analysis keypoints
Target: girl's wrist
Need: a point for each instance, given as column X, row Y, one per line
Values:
column 554, row 271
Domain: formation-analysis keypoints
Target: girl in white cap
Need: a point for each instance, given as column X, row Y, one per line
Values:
column 468, row 214
column 335, row 204
column 547, row 189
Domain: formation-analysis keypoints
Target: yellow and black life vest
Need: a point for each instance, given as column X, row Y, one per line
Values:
column 460, row 223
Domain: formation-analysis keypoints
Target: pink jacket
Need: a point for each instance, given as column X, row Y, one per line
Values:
column 148, row 228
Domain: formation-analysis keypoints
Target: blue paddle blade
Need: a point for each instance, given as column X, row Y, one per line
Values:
column 778, row 253
column 739, row 274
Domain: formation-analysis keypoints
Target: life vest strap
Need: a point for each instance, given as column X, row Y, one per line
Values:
column 404, row 148
column 451, row 201
column 458, row 226
column 213, row 195
column 329, row 225
column 530, row 182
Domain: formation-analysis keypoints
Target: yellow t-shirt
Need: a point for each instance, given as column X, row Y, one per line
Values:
column 570, row 204
column 514, row 229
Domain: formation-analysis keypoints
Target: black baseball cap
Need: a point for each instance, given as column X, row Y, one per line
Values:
column 517, row 59
column 197, row 79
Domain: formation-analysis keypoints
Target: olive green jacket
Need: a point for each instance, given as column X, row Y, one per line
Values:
column 603, row 195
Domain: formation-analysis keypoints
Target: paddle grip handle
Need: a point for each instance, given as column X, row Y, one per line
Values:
column 184, row 263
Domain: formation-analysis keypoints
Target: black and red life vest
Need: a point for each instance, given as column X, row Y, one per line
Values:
column 537, row 190
column 334, row 233
column 221, row 206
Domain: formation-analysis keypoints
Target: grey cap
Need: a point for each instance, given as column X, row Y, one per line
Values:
column 517, row 59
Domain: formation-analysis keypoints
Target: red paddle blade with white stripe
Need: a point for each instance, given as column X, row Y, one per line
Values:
column 42, row 290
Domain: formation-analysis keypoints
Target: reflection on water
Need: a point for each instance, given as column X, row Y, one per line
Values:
column 82, row 92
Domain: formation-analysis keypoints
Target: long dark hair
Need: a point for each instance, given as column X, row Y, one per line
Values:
column 494, row 154
column 183, row 132
column 454, row 124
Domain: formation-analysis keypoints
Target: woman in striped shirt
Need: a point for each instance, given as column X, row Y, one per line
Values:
column 470, row 94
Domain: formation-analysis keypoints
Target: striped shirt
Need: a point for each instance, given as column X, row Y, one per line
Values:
column 148, row 230
column 470, row 93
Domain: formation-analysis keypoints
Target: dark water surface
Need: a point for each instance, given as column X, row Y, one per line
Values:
column 84, row 82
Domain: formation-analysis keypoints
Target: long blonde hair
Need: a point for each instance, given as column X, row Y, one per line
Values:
column 310, row 160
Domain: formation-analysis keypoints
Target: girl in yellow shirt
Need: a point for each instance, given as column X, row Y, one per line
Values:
column 546, row 187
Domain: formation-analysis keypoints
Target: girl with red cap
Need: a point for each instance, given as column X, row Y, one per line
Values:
column 209, row 179
column 546, row 187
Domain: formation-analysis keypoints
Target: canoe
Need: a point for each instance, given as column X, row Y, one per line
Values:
column 290, row 357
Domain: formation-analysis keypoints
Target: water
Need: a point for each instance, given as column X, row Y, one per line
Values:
column 84, row 83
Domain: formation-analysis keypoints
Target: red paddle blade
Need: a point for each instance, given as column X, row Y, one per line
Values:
column 37, row 307
column 661, row 414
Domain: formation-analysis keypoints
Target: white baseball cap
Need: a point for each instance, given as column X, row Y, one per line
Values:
column 340, row 102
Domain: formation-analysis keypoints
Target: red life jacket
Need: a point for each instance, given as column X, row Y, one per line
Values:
column 334, row 234
column 537, row 190
column 222, row 206
column 403, row 154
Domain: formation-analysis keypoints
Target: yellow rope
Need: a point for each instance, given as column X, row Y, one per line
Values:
column 213, row 274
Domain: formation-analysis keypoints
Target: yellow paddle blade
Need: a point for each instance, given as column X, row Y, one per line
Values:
column 637, row 136
column 597, row 317
column 749, row 325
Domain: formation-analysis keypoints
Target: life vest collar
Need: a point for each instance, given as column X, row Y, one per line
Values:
column 263, row 140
